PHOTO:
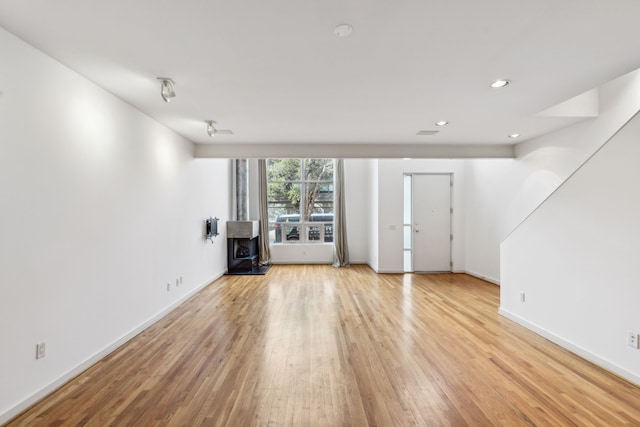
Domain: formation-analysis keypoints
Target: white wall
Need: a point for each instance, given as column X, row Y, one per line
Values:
column 101, row 208
column 576, row 259
column 487, row 188
column 302, row 253
column 390, row 219
column 501, row 193
column 373, row 191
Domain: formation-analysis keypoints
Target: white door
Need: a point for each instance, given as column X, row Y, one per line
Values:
column 431, row 222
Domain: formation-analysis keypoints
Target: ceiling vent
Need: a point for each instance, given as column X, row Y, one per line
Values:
column 427, row 132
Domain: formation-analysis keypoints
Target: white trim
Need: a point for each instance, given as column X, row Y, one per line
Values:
column 312, row 262
column 585, row 354
column 65, row 378
column 485, row 278
column 301, row 262
column 345, row 150
column 299, row 243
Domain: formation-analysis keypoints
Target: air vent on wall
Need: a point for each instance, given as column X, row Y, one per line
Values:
column 427, row 132
column 224, row 132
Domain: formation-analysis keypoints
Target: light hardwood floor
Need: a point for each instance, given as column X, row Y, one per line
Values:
column 320, row 346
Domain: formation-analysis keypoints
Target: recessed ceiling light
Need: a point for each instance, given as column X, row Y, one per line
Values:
column 514, row 135
column 343, row 30
column 500, row 83
column 442, row 123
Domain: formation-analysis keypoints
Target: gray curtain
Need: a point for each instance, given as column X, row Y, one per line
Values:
column 265, row 251
column 341, row 249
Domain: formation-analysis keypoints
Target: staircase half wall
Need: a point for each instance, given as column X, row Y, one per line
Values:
column 570, row 270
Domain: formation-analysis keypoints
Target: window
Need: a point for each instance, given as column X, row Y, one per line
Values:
column 300, row 200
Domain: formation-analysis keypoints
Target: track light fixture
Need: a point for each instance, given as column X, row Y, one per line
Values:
column 166, row 89
column 211, row 130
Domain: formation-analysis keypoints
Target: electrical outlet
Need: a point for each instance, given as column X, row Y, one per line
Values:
column 168, row 286
column 177, row 282
column 181, row 280
column 632, row 339
column 522, row 296
column 41, row 350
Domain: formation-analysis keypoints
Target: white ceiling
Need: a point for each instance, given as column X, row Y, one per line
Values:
column 274, row 72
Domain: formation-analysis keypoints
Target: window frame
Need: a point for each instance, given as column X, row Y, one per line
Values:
column 324, row 228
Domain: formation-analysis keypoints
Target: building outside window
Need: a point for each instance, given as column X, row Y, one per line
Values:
column 300, row 200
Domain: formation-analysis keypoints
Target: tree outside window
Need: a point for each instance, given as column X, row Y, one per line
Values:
column 300, row 200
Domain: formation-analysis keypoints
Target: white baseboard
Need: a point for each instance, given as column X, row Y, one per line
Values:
column 320, row 262
column 299, row 262
column 392, row 271
column 485, row 278
column 582, row 352
column 62, row 380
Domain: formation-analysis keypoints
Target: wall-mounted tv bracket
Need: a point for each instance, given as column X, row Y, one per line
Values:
column 211, row 228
